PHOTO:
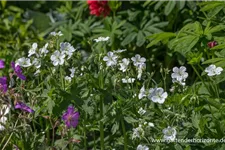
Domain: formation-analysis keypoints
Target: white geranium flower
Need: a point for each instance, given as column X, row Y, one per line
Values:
column 37, row 72
column 138, row 60
column 56, row 34
column 3, row 120
column 33, row 49
column 110, row 59
column 150, row 124
column 141, row 111
column 101, row 39
column 140, row 69
column 128, row 80
column 119, row 51
column 142, row 92
column 37, row 63
column 157, row 95
column 57, row 58
column 212, row 70
column 179, row 75
column 142, row 147
column 43, row 50
column 124, row 64
column 138, row 132
column 72, row 70
column 169, row 133
column 67, row 49
column 23, row 62
column 67, row 78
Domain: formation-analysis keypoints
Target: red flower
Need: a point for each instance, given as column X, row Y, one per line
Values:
column 212, row 44
column 98, row 7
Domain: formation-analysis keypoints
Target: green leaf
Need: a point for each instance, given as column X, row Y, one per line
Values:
column 140, row 39
column 180, row 4
column 115, row 127
column 163, row 36
column 213, row 61
column 169, row 7
column 130, row 37
column 130, row 119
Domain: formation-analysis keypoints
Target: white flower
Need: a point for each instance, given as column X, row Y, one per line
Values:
column 67, row 49
column 43, row 50
column 3, row 111
column 138, row 60
column 3, row 120
column 169, row 133
column 67, row 78
column 23, row 62
column 57, row 58
column 110, row 59
column 142, row 147
column 124, row 64
column 179, row 75
column 157, row 95
column 150, row 124
column 142, row 92
column 212, row 70
column 37, row 63
column 101, row 39
column 37, row 72
column 33, row 49
column 141, row 111
column 72, row 70
column 56, row 34
column 138, row 132
column 119, row 50
column 129, row 80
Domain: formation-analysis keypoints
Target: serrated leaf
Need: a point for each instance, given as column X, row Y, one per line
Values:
column 169, row 7
column 140, row 39
column 130, row 37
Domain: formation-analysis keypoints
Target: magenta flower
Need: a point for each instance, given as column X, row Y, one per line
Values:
column 18, row 71
column 2, row 64
column 3, row 84
column 70, row 117
column 24, row 107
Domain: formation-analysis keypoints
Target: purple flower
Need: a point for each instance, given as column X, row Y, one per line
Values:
column 22, row 106
column 18, row 71
column 2, row 64
column 70, row 117
column 3, row 84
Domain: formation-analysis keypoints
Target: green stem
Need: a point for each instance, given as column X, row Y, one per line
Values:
column 124, row 134
column 101, row 125
column 85, row 135
column 70, row 142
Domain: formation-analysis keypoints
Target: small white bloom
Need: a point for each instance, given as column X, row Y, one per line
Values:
column 43, row 50
column 141, row 111
column 129, row 80
column 150, row 124
column 23, row 62
column 157, row 95
column 67, row 78
column 179, row 75
column 72, row 70
column 33, row 49
column 142, row 92
column 138, row 132
column 169, row 133
column 101, row 39
column 67, row 49
column 138, row 60
column 110, row 59
column 124, row 64
column 142, row 147
column 3, row 120
column 37, row 63
column 56, row 34
column 119, row 50
column 4, row 110
column 37, row 72
column 212, row 70
column 57, row 58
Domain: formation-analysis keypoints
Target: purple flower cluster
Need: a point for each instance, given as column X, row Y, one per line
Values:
column 3, row 80
column 70, row 117
column 18, row 71
column 2, row 64
column 24, row 107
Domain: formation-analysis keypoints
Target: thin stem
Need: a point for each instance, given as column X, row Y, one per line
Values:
column 70, row 144
column 124, row 134
column 101, row 125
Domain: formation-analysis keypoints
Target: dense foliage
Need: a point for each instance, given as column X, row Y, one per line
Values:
column 112, row 75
